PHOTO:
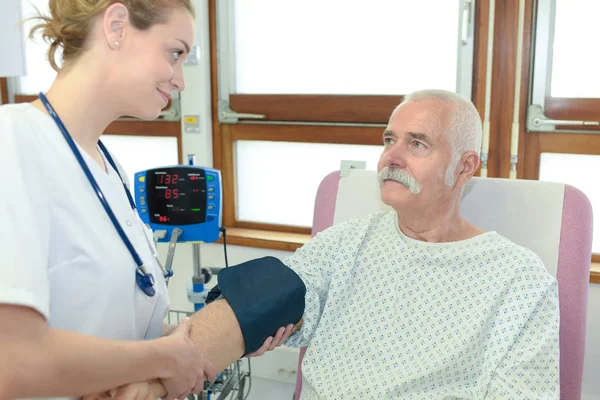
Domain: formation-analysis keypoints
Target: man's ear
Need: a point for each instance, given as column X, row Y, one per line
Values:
column 469, row 162
column 114, row 24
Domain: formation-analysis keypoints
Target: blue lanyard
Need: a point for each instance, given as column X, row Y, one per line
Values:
column 144, row 279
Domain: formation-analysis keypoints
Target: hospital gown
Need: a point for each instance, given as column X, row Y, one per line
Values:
column 391, row 317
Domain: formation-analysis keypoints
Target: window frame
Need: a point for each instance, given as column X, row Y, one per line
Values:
column 366, row 109
column 504, row 56
column 560, row 138
column 347, row 119
column 4, row 91
column 541, row 104
column 563, row 139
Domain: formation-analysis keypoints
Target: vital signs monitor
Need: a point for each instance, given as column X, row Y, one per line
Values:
column 181, row 196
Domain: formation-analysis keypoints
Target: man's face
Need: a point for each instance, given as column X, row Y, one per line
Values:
column 417, row 149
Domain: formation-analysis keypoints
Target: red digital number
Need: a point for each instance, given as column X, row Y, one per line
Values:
column 168, row 194
column 175, row 193
column 175, row 179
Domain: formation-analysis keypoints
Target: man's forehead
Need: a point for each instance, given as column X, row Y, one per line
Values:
column 403, row 124
column 415, row 117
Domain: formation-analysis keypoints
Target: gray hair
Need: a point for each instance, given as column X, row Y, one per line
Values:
column 464, row 130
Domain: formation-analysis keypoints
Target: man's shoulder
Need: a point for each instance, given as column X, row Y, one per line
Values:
column 518, row 259
column 356, row 227
column 345, row 236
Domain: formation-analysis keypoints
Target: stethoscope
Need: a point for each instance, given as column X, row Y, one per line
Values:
column 144, row 279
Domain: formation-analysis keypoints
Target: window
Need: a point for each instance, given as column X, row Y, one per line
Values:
column 270, row 199
column 578, row 170
column 573, row 72
column 317, row 80
column 138, row 153
column 39, row 73
column 563, row 117
column 340, row 47
column 565, row 84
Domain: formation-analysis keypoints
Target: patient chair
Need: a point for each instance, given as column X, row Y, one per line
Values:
column 551, row 219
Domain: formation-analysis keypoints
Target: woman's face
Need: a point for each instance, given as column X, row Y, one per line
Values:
column 149, row 65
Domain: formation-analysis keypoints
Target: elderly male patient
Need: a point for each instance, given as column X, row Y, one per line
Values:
column 418, row 303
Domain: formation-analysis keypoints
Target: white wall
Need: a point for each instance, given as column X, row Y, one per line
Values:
column 12, row 39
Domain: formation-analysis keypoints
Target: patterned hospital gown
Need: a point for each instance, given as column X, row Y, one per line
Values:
column 390, row 317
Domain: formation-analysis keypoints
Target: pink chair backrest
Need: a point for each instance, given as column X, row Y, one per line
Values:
column 572, row 259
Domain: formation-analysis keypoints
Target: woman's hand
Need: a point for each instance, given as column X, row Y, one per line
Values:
column 132, row 391
column 189, row 369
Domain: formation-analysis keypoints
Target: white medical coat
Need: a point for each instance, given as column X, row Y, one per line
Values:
column 60, row 254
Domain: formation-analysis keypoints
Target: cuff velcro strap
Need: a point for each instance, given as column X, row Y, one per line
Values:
column 265, row 295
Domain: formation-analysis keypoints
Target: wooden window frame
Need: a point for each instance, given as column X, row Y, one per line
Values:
column 316, row 109
column 537, row 142
column 564, row 108
column 557, row 108
column 3, row 91
column 504, row 61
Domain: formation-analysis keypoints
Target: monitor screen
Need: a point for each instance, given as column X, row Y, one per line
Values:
column 176, row 195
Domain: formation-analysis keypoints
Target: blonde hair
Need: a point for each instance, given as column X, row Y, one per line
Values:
column 71, row 21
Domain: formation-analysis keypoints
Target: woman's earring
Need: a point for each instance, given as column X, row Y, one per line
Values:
column 116, row 43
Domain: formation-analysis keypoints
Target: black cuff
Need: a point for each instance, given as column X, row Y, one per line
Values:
column 264, row 294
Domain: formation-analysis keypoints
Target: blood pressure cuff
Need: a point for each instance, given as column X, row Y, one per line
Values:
column 264, row 295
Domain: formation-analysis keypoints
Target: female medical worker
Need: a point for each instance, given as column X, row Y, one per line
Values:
column 75, row 304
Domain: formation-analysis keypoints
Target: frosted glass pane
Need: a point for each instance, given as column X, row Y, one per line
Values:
column 580, row 171
column 345, row 47
column 575, row 57
column 138, row 153
column 277, row 181
column 39, row 73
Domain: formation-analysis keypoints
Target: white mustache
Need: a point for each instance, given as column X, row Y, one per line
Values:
column 401, row 176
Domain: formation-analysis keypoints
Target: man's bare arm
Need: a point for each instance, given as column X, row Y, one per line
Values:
column 250, row 303
column 215, row 332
